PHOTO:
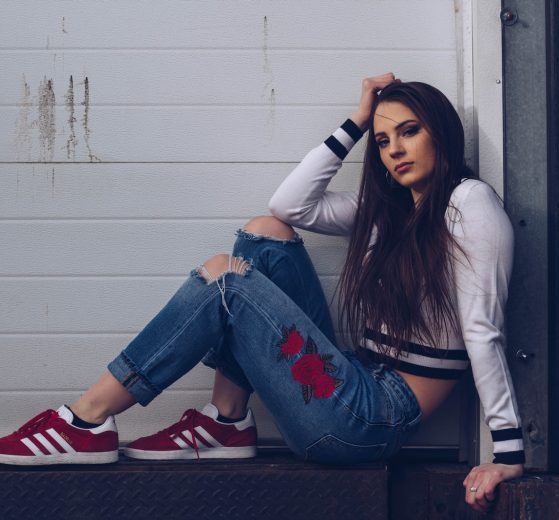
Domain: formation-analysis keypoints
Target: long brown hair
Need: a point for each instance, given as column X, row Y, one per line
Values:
column 400, row 283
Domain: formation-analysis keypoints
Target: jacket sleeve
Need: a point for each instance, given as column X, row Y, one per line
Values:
column 302, row 199
column 484, row 233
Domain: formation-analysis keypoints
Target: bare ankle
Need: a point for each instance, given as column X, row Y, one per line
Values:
column 88, row 413
column 231, row 410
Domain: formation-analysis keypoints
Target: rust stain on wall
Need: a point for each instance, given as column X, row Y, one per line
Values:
column 268, row 91
column 71, row 109
column 46, row 121
column 85, row 123
column 23, row 125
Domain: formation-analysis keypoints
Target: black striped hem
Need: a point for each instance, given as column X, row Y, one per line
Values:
column 351, row 129
column 507, row 434
column 417, row 370
column 337, row 147
column 416, row 348
column 510, row 457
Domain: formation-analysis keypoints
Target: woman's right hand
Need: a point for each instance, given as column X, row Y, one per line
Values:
column 369, row 88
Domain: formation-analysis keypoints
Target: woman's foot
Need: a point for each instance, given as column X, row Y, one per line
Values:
column 198, row 435
column 51, row 438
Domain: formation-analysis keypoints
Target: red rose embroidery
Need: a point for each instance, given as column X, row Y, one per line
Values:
column 306, row 369
column 323, row 386
column 293, row 344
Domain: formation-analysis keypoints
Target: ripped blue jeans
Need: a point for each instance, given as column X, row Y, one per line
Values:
column 267, row 327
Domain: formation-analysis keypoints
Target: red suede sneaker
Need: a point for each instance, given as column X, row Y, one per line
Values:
column 198, row 435
column 50, row 438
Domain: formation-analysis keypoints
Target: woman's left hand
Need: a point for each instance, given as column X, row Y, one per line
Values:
column 482, row 480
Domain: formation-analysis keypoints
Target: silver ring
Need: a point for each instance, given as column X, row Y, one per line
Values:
column 473, row 489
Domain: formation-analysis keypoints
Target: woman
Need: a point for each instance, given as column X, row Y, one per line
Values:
column 425, row 285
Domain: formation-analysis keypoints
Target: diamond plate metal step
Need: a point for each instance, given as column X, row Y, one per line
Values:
column 271, row 486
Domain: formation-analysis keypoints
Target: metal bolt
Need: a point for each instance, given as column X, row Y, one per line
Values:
column 523, row 356
column 509, row 16
column 498, row 81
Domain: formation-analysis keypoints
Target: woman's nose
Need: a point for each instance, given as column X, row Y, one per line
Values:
column 396, row 149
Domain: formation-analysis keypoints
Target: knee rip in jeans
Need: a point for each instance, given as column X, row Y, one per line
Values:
column 248, row 235
column 235, row 264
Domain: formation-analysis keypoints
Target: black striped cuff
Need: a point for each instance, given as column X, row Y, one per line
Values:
column 507, row 434
column 510, row 457
column 337, row 147
column 352, row 130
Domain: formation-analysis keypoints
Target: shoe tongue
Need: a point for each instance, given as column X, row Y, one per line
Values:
column 65, row 413
column 210, row 410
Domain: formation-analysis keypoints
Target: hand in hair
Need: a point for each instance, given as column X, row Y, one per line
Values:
column 482, row 481
column 369, row 88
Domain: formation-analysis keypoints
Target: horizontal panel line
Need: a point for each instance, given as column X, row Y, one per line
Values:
column 66, row 334
column 5, row 335
column 159, row 162
column 179, row 276
column 220, row 106
column 125, row 219
column 217, row 106
column 228, row 50
column 62, row 390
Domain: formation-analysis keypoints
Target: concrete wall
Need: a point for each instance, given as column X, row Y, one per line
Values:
column 136, row 136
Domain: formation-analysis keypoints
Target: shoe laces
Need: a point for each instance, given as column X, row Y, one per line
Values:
column 36, row 422
column 186, row 422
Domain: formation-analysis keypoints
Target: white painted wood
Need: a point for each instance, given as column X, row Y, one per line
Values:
column 133, row 24
column 90, row 304
column 153, row 191
column 142, row 247
column 177, row 134
column 199, row 109
column 214, row 77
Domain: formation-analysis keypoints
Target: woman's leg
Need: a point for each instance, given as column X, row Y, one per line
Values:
column 105, row 397
column 328, row 407
column 276, row 251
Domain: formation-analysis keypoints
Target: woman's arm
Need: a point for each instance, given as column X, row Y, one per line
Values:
column 484, row 232
column 302, row 199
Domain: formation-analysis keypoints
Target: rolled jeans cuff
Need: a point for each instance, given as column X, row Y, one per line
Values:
column 125, row 372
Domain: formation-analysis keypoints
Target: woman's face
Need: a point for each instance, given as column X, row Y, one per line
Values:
column 405, row 146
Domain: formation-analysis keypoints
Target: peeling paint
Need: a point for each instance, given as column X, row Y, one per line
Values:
column 46, row 122
column 63, row 25
column 85, row 122
column 71, row 109
column 23, row 125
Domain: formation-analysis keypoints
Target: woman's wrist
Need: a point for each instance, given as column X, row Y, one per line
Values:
column 362, row 121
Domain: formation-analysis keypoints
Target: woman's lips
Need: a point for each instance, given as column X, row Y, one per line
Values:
column 404, row 167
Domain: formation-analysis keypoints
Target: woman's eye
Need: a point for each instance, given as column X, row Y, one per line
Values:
column 382, row 143
column 412, row 130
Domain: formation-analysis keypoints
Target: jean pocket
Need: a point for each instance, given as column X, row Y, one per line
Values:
column 332, row 450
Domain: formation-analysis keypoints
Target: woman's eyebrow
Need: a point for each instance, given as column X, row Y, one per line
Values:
column 397, row 126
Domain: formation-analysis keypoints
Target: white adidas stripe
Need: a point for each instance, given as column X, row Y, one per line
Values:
column 208, row 438
column 41, row 439
column 32, row 447
column 44, row 441
column 54, row 434
column 203, row 433
column 180, row 443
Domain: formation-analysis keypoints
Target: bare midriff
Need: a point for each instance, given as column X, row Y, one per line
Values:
column 430, row 393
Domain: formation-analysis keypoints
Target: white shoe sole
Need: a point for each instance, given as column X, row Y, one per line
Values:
column 105, row 457
column 245, row 452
